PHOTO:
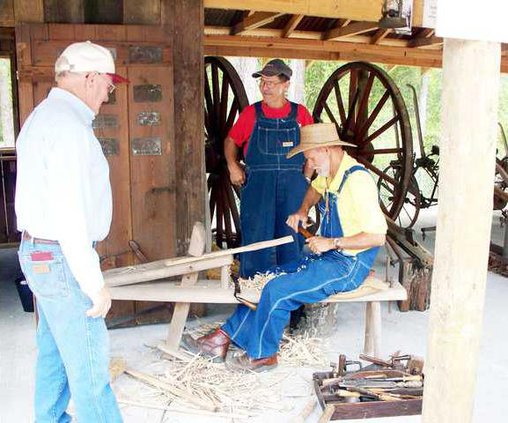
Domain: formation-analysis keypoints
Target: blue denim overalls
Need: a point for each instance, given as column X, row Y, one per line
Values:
column 274, row 189
column 306, row 281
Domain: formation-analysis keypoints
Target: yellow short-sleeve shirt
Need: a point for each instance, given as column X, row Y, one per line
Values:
column 357, row 203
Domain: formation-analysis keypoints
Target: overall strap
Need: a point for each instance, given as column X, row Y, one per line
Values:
column 294, row 110
column 348, row 172
column 259, row 110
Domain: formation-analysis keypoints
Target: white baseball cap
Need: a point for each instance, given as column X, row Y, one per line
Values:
column 88, row 57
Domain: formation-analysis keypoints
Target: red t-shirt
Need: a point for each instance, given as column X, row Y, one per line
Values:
column 243, row 127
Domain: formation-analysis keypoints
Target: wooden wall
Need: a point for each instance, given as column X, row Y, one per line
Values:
column 157, row 197
column 182, row 194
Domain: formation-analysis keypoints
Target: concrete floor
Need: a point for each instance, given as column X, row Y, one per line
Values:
column 401, row 331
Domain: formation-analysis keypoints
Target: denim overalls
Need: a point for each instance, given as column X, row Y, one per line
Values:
column 306, row 281
column 274, row 189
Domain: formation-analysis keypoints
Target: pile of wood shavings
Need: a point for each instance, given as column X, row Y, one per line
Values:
column 257, row 282
column 193, row 384
column 303, row 350
column 295, row 350
column 197, row 385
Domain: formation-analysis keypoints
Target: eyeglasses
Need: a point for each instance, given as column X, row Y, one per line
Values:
column 269, row 84
column 111, row 87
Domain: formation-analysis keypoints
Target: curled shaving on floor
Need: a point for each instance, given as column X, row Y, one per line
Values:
column 184, row 382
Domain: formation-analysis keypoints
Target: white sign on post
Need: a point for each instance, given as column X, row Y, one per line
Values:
column 429, row 13
column 483, row 20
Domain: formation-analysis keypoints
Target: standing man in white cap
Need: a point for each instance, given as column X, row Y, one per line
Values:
column 273, row 186
column 63, row 207
column 352, row 229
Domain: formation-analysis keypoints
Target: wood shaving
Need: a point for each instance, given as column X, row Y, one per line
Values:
column 257, row 282
column 198, row 385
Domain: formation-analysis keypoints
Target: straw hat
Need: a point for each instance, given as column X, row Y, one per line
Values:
column 317, row 135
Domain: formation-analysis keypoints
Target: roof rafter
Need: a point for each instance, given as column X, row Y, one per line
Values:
column 425, row 42
column 350, row 30
column 256, row 20
column 379, row 35
column 291, row 25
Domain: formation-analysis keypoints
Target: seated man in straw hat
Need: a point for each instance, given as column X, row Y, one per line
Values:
column 352, row 229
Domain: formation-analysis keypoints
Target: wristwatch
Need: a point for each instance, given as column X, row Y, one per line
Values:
column 337, row 244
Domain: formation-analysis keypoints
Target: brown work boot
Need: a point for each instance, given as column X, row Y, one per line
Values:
column 244, row 363
column 214, row 345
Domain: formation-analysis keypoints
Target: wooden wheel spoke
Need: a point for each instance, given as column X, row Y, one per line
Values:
column 350, row 122
column 330, row 113
column 227, row 209
column 208, row 100
column 373, row 115
column 231, row 117
column 378, row 172
column 362, row 108
column 353, row 85
column 224, row 104
column 386, row 151
column 383, row 128
column 233, row 207
column 215, row 92
column 340, row 104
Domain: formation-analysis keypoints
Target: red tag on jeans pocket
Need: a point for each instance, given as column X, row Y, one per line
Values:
column 42, row 256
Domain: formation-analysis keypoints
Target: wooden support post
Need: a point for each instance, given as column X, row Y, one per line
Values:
column 181, row 310
column 183, row 21
column 372, row 344
column 468, row 116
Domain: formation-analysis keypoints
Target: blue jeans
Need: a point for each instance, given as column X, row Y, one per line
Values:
column 308, row 281
column 73, row 349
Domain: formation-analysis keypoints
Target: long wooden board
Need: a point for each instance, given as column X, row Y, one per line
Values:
column 182, row 265
column 210, row 291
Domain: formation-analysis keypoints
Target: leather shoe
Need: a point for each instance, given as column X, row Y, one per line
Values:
column 244, row 363
column 214, row 345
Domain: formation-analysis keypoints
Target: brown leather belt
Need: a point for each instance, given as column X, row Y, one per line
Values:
column 28, row 237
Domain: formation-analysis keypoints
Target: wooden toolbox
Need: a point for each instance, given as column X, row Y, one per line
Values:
column 392, row 389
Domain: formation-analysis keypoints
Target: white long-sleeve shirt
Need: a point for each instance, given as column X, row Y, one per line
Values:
column 63, row 191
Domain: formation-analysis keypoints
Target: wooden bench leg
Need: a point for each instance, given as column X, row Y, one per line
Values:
column 181, row 310
column 372, row 345
column 180, row 314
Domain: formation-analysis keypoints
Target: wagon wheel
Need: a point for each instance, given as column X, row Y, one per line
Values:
column 369, row 111
column 501, row 184
column 225, row 98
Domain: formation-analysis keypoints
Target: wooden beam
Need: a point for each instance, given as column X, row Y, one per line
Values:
column 64, row 11
column 303, row 35
column 356, row 10
column 7, row 13
column 104, row 12
column 320, row 50
column 425, row 42
column 147, row 12
column 469, row 118
column 291, row 25
column 254, row 21
column 379, row 35
column 350, row 30
column 184, row 20
column 28, row 11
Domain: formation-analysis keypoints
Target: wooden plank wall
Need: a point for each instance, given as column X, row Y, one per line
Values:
column 156, row 198
column 186, row 158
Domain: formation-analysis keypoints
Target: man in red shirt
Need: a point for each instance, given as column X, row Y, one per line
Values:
column 273, row 186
